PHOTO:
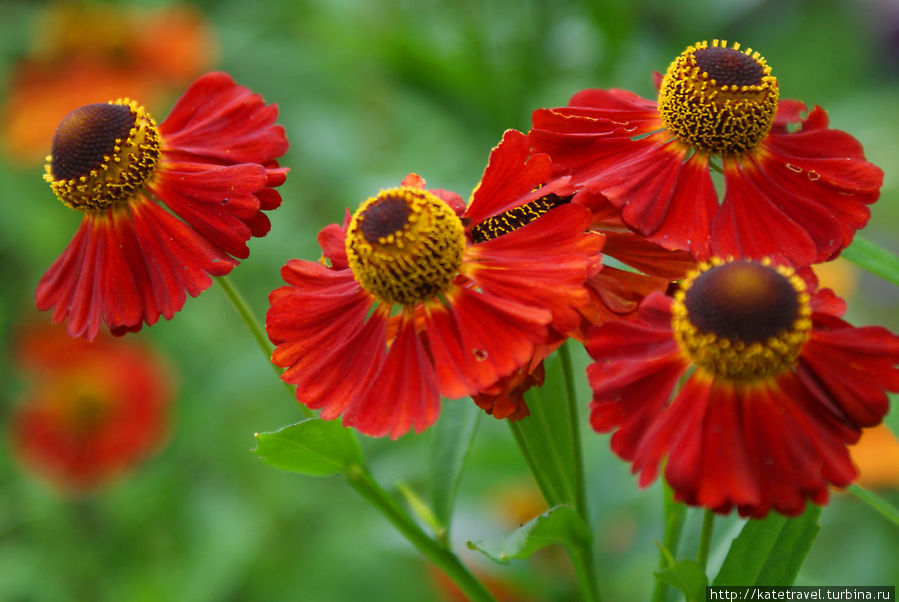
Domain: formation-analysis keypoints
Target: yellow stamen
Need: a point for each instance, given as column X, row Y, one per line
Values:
column 717, row 99
column 102, row 154
column 747, row 321
column 405, row 245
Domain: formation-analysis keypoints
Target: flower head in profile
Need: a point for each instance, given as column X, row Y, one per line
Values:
column 775, row 387
column 418, row 297
column 165, row 207
column 793, row 187
column 94, row 410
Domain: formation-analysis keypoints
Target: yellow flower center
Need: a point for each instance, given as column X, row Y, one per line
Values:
column 717, row 99
column 517, row 217
column 742, row 320
column 101, row 154
column 405, row 245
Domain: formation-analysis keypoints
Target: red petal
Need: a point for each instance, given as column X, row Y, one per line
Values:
column 403, row 395
column 217, row 119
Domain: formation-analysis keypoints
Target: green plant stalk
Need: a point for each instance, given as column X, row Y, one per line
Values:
column 873, row 258
column 361, row 480
column 675, row 516
column 705, row 539
column 878, row 503
column 258, row 332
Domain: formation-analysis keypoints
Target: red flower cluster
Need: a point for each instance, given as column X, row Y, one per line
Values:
column 746, row 383
column 418, row 296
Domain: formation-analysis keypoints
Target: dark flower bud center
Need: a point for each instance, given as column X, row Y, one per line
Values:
column 729, row 67
column 87, row 135
column 383, row 218
column 742, row 301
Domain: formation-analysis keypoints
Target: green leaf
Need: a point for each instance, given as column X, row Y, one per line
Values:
column 874, row 259
column 559, row 525
column 452, row 436
column 545, row 438
column 313, row 447
column 889, row 511
column 770, row 551
column 688, row 577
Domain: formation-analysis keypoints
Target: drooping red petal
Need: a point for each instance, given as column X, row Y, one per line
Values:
column 219, row 120
column 512, row 179
column 544, row 263
column 750, row 223
column 403, row 395
column 178, row 260
column 219, row 202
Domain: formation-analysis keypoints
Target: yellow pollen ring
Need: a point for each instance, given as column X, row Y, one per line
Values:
column 120, row 174
column 718, row 117
column 412, row 253
column 737, row 360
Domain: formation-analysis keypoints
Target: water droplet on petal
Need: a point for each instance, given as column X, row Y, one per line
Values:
column 794, row 168
column 814, row 175
column 480, row 354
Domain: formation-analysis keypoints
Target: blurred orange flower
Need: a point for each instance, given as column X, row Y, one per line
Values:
column 84, row 53
column 877, row 456
column 94, row 410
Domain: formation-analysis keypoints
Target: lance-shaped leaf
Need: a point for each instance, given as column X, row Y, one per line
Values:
column 559, row 525
column 770, row 551
column 688, row 577
column 312, row 447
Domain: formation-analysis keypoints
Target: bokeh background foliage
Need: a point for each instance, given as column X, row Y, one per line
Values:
column 370, row 90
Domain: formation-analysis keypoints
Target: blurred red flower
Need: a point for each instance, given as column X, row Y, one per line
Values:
column 94, row 411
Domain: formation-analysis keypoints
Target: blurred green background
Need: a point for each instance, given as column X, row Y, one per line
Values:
column 370, row 90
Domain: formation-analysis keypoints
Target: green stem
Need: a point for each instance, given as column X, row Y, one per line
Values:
column 361, row 480
column 675, row 516
column 547, row 487
column 258, row 332
column 705, row 539
column 582, row 557
column 875, row 501
column 571, row 401
column 873, row 258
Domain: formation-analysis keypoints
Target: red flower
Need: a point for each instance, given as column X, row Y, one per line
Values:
column 211, row 163
column 412, row 301
column 777, row 386
column 95, row 409
column 793, row 187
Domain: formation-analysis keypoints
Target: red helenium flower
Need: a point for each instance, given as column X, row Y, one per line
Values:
column 776, row 386
column 793, row 187
column 164, row 208
column 94, row 411
column 408, row 304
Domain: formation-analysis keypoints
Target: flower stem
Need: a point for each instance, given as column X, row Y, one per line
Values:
column 361, row 480
column 675, row 516
column 705, row 539
column 256, row 329
column 583, row 557
column 875, row 501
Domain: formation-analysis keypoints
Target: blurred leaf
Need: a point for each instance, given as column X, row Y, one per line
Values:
column 559, row 525
column 688, row 577
column 874, row 259
column 770, row 551
column 451, row 441
column 889, row 511
column 312, row 447
column 545, row 437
